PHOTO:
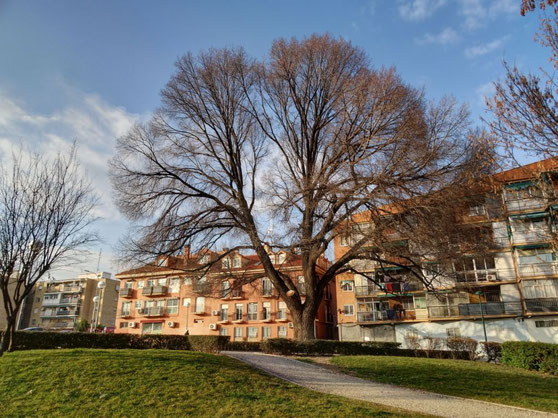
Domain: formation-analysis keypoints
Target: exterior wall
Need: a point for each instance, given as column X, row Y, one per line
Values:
column 210, row 320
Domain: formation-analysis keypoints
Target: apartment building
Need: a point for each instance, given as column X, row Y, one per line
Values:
column 233, row 298
column 514, row 285
column 61, row 304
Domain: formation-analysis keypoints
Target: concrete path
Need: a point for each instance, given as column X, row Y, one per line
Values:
column 325, row 380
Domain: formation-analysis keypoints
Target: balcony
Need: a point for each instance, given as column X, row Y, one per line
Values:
column 52, row 302
column 154, row 311
column 60, row 313
column 474, row 309
column 538, row 269
column 542, row 305
column 485, row 276
column 392, row 287
column 386, row 315
column 126, row 292
column 154, row 290
column 531, row 237
column 519, row 205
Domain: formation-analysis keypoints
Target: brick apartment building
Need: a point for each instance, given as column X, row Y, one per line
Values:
column 515, row 283
column 233, row 298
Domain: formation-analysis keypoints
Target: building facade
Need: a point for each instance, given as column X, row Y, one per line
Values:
column 233, row 298
column 61, row 304
column 514, row 285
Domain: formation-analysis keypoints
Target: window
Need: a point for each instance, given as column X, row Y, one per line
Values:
column 344, row 240
column 226, row 263
column 200, row 304
column 225, row 289
column 252, row 312
column 137, row 304
column 301, row 284
column 204, row 259
column 123, row 325
column 272, row 258
column 266, row 332
column 266, row 311
column 281, row 258
column 282, row 332
column 281, row 310
column 535, row 289
column 453, row 332
column 152, row 328
column 141, row 283
column 238, row 312
column 186, row 302
column 420, row 302
column 238, row 334
column 125, row 311
column 237, row 262
column 187, row 281
column 536, row 256
column 162, row 282
column 172, row 306
column 477, row 210
column 223, row 331
column 252, row 332
column 348, row 310
column 128, row 285
column 413, row 333
column 160, row 306
column 347, row 285
column 547, row 324
column 150, row 283
column 267, row 287
column 174, row 285
column 224, row 312
column 36, row 310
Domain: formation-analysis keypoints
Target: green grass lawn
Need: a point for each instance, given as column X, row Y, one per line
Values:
column 487, row 382
column 84, row 382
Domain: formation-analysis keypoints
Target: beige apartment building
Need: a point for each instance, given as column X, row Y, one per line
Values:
column 61, row 304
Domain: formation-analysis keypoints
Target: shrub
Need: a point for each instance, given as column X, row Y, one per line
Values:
column 432, row 346
column 208, row 343
column 531, row 356
column 413, row 343
column 327, row 347
column 492, row 350
column 460, row 345
column 243, row 346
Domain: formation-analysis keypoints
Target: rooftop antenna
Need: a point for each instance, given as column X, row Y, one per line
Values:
column 99, row 259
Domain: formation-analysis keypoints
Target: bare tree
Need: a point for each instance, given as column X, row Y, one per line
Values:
column 45, row 215
column 525, row 105
column 310, row 137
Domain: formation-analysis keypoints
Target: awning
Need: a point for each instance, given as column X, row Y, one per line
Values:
column 393, row 295
column 531, row 246
column 390, row 268
column 151, row 321
column 519, row 185
column 536, row 215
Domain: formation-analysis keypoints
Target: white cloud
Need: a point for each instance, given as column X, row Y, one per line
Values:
column 476, row 13
column 483, row 49
column 445, row 37
column 485, row 90
column 419, row 9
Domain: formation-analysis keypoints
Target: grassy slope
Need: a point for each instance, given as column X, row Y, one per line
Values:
column 488, row 382
column 155, row 383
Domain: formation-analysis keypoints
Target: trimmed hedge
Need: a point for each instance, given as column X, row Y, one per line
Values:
column 25, row 340
column 531, row 356
column 243, row 346
column 327, row 347
column 492, row 350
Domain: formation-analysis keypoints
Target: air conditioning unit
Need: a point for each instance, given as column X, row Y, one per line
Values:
column 291, row 325
column 171, row 324
column 213, row 326
column 131, row 324
column 139, row 311
column 491, row 277
column 214, row 312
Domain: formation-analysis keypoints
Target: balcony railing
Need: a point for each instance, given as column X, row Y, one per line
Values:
column 127, row 292
column 529, row 237
column 59, row 313
column 51, row 302
column 542, row 305
column 386, row 315
column 393, row 287
column 515, row 205
column 154, row 311
column 474, row 309
column 483, row 276
column 154, row 290
column 539, row 269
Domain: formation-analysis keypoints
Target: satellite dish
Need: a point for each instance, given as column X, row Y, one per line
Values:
column 101, row 285
column 96, row 299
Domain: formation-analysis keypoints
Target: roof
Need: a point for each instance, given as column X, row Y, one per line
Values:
column 527, row 171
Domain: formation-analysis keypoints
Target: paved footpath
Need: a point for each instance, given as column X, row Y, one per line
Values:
column 325, row 380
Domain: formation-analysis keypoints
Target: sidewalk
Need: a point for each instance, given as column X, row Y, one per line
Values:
column 325, row 380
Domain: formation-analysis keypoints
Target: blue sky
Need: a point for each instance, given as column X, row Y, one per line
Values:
column 86, row 70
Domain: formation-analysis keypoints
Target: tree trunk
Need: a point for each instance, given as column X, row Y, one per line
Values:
column 7, row 337
column 304, row 328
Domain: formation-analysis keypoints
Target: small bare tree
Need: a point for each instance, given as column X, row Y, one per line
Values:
column 45, row 214
column 310, row 137
column 525, row 105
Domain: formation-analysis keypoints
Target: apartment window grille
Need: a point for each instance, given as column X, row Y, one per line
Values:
column 238, row 312
column 282, row 332
column 172, row 306
column 453, row 332
column 266, row 311
column 551, row 323
column 224, row 314
column 266, row 332
column 252, row 312
column 349, row 310
column 252, row 332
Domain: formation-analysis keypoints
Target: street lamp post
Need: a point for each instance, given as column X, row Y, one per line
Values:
column 96, row 306
column 187, row 315
column 479, row 293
